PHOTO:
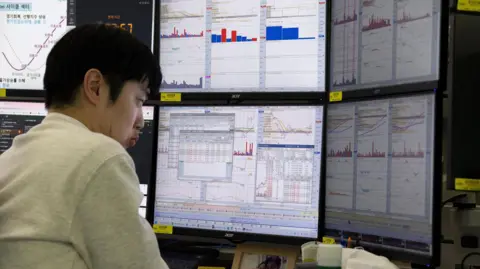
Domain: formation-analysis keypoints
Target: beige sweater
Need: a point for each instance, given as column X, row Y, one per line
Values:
column 69, row 198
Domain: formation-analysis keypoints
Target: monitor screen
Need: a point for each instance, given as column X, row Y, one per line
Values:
column 142, row 155
column 379, row 185
column 248, row 169
column 134, row 16
column 241, row 46
column 28, row 31
column 31, row 28
column 17, row 118
column 384, row 42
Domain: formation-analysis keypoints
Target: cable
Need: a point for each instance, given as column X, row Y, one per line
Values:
column 468, row 256
column 453, row 199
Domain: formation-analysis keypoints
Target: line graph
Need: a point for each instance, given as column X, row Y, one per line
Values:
column 340, row 131
column 22, row 62
column 377, row 41
column 339, row 184
column 409, row 127
column 345, row 40
column 171, row 9
column 179, row 190
column 372, row 162
column 182, row 53
column 414, row 38
column 408, row 187
column 233, row 8
column 225, row 192
column 372, row 129
column 288, row 8
column 44, row 45
column 289, row 126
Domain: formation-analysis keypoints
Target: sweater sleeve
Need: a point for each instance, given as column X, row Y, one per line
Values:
column 107, row 230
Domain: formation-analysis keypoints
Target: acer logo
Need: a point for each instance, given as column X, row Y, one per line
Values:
column 227, row 235
column 235, row 96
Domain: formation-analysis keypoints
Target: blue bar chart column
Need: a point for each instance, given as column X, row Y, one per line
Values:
column 263, row 43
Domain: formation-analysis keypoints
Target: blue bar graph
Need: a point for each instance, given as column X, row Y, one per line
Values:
column 218, row 39
column 280, row 33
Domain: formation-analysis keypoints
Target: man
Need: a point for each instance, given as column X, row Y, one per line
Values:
column 69, row 195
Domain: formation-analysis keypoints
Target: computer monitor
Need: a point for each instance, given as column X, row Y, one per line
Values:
column 242, row 46
column 17, row 118
column 240, row 172
column 380, row 174
column 30, row 29
column 384, row 42
column 142, row 155
column 134, row 16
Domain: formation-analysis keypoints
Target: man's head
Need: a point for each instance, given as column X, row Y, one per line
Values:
column 101, row 75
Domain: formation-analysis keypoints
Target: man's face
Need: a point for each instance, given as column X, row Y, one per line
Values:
column 122, row 119
column 124, row 116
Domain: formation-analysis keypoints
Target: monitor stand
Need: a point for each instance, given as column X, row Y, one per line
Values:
column 265, row 256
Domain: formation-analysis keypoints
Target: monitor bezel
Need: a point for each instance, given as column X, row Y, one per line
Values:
column 239, row 237
column 153, row 167
column 434, row 258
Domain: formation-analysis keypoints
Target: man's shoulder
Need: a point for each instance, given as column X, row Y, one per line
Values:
column 99, row 148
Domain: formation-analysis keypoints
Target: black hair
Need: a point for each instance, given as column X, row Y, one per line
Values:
column 116, row 53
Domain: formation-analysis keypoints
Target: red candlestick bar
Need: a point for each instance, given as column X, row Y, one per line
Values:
column 234, row 36
column 224, row 35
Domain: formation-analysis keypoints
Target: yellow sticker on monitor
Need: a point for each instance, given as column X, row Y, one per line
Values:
column 162, row 229
column 328, row 240
column 467, row 184
column 336, row 96
column 3, row 92
column 469, row 5
column 170, row 97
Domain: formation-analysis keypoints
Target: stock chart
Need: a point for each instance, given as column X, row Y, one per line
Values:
column 384, row 42
column 229, row 158
column 30, row 29
column 251, row 45
column 379, row 172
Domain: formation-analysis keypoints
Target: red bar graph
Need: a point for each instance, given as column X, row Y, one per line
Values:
column 345, row 153
column 373, row 154
column 376, row 23
column 235, row 36
column 409, row 153
column 224, row 35
column 248, row 150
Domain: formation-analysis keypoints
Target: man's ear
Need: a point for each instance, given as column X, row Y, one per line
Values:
column 92, row 82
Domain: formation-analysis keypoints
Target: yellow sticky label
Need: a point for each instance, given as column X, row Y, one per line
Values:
column 3, row 92
column 170, row 97
column 328, row 240
column 336, row 96
column 162, row 229
column 469, row 5
column 467, row 184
